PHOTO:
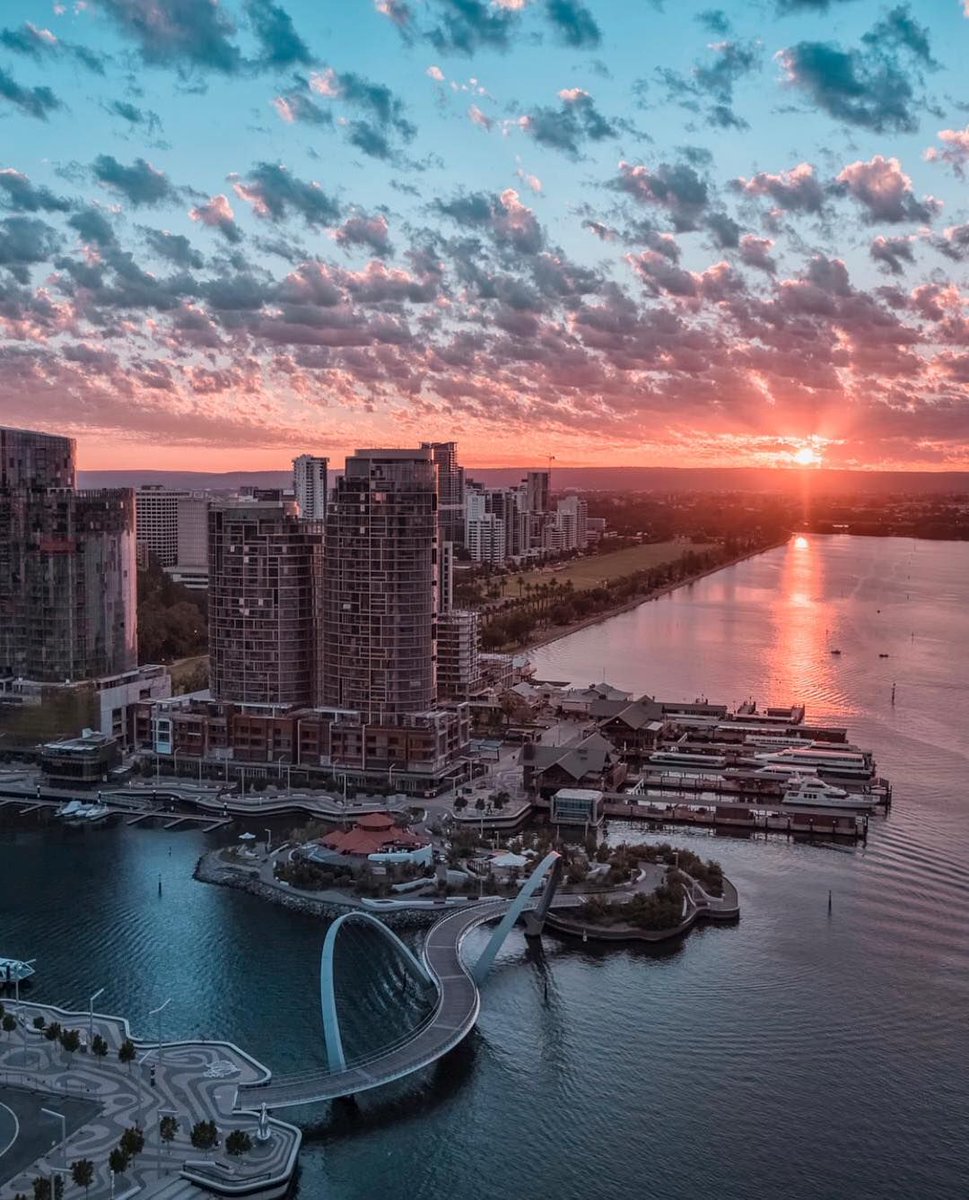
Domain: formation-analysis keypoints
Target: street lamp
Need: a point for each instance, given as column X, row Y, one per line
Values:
column 157, row 1012
column 90, row 1016
column 49, row 1112
column 269, row 839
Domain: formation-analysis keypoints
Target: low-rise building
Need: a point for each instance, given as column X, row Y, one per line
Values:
column 82, row 761
column 373, row 841
column 576, row 806
column 587, row 762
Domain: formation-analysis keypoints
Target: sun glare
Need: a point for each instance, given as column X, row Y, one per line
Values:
column 807, row 456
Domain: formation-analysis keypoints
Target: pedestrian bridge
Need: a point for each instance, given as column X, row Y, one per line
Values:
column 440, row 964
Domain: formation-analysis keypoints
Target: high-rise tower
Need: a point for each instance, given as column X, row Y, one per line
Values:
column 67, row 566
column 380, row 585
column 309, row 486
column 265, row 583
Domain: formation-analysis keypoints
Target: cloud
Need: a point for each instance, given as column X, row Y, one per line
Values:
column 480, row 118
column 297, row 106
column 25, row 240
column 509, row 222
column 885, row 192
column 37, row 43
column 714, row 20
column 955, row 150
column 709, row 86
column 796, row 190
column 567, row 127
column 93, row 226
column 676, row 187
column 174, row 248
column 898, row 30
column 396, row 10
column 756, row 252
column 467, row 26
column 274, row 193
column 361, row 230
column 140, row 183
column 866, row 87
column 217, row 214
column 574, row 24
column 134, row 116
column 181, row 33
column 18, row 193
column 786, row 7
column 953, row 242
column 37, row 102
column 892, row 253
column 281, row 44
column 383, row 117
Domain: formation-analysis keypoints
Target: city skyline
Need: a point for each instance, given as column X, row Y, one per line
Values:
column 545, row 227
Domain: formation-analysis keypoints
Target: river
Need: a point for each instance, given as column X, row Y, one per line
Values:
column 799, row 1053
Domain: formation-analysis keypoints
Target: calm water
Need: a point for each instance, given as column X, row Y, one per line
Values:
column 795, row 1055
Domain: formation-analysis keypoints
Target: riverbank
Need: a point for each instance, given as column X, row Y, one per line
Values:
column 556, row 632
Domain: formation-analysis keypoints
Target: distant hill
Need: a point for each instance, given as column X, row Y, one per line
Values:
column 612, row 479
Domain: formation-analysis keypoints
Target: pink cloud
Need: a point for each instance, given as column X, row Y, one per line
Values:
column 955, row 150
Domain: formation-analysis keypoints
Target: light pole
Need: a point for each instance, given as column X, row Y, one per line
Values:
column 269, row 839
column 90, row 1016
column 157, row 1012
column 49, row 1112
column 390, row 775
column 20, row 1012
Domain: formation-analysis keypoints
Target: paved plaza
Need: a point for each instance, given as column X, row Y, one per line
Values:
column 100, row 1098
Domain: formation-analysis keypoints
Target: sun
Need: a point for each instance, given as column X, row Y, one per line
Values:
column 807, row 456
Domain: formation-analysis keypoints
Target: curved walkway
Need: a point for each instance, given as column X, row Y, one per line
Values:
column 453, row 1018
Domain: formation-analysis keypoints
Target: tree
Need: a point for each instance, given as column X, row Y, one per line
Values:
column 480, row 804
column 500, row 799
column 460, row 803
column 9, row 1023
column 167, row 1128
column 99, row 1047
column 53, row 1032
column 238, row 1142
column 58, row 1187
column 132, row 1141
column 204, row 1135
column 118, row 1161
column 42, row 1188
column 39, row 1022
column 82, row 1173
column 126, row 1052
column 71, row 1041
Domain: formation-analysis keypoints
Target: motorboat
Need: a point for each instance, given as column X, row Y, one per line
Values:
column 71, row 809
column 815, row 793
column 96, row 812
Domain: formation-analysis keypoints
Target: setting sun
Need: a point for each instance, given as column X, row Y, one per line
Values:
column 807, row 456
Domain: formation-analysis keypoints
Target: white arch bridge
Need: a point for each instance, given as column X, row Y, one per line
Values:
column 440, row 965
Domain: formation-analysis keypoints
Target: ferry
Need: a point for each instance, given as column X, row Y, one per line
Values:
column 818, row 794
column 12, row 971
column 856, row 766
column 675, row 758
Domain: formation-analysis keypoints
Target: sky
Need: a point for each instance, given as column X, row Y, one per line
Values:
column 616, row 232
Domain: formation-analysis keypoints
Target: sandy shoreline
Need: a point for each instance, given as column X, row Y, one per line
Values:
column 558, row 632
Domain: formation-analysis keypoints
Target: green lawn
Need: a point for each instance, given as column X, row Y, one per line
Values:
column 590, row 572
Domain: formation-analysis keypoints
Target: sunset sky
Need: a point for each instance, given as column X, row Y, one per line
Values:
column 613, row 231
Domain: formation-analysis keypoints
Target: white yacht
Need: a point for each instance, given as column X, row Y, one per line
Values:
column 815, row 793
column 71, row 809
column 95, row 812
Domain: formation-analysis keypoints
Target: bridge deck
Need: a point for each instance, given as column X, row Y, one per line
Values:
column 453, row 1018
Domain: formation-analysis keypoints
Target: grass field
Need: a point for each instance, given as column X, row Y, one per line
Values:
column 183, row 670
column 590, row 572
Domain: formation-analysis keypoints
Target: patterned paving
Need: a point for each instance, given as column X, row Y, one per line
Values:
column 192, row 1081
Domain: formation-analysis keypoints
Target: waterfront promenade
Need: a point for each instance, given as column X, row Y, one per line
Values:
column 192, row 1081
